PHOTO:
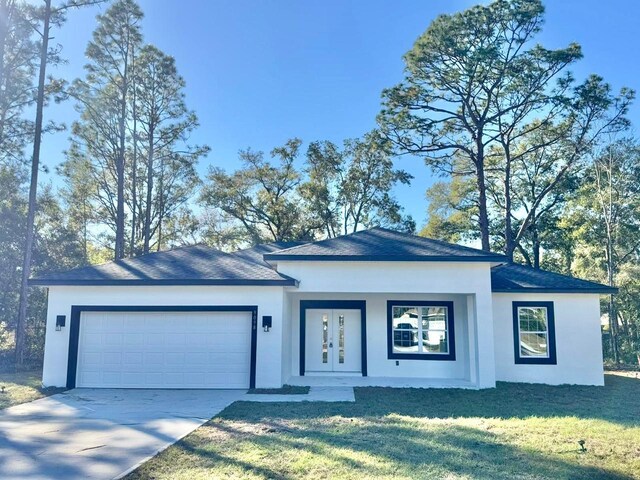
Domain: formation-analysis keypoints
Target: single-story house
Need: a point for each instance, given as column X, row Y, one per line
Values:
column 376, row 307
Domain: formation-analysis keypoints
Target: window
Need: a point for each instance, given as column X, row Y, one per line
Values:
column 420, row 330
column 534, row 333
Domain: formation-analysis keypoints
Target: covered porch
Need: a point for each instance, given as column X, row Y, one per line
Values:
column 386, row 339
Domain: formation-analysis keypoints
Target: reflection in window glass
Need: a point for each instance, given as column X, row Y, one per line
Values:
column 420, row 329
column 325, row 338
column 341, row 339
column 534, row 331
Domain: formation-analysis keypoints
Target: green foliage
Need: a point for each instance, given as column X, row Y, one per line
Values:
column 13, row 211
column 350, row 189
column 479, row 96
column 167, row 176
column 604, row 221
column 57, row 247
column 261, row 197
column 19, row 56
column 131, row 144
column 451, row 211
column 337, row 192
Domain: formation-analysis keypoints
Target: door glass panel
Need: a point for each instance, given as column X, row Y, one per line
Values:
column 325, row 338
column 341, row 339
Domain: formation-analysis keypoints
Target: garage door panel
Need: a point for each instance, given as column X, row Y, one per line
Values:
column 112, row 358
column 153, row 339
column 112, row 338
column 164, row 350
column 138, row 339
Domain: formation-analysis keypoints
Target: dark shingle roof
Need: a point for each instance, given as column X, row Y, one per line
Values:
column 520, row 278
column 201, row 265
column 193, row 265
column 256, row 254
column 381, row 244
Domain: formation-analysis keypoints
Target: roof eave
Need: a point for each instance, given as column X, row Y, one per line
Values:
column 604, row 290
column 382, row 258
column 285, row 282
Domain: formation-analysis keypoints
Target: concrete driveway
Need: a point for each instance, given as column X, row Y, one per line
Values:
column 99, row 434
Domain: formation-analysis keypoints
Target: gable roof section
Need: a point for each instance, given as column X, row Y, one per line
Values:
column 381, row 244
column 512, row 277
column 193, row 265
column 256, row 254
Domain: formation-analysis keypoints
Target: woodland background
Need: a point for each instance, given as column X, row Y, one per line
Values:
column 533, row 162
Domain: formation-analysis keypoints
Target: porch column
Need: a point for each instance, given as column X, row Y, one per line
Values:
column 480, row 310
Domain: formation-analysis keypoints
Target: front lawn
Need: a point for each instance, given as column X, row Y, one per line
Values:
column 513, row 431
column 16, row 388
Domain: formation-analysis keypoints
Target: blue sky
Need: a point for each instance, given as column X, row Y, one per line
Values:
column 261, row 71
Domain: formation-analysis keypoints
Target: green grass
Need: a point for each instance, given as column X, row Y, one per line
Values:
column 514, row 431
column 284, row 390
column 17, row 388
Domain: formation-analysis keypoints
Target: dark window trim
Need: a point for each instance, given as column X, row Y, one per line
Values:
column 76, row 311
column 551, row 335
column 334, row 304
column 391, row 355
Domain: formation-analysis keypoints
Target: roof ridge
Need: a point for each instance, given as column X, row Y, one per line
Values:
column 402, row 234
column 434, row 240
column 303, row 244
column 150, row 254
column 332, row 238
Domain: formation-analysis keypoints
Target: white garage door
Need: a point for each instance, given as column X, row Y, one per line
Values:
column 164, row 350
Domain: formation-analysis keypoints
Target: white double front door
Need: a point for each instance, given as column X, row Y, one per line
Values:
column 333, row 341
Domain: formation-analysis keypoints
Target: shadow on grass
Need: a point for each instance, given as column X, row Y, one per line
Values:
column 393, row 449
column 617, row 402
column 383, row 434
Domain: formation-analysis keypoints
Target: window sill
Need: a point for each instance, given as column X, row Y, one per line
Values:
column 422, row 356
column 536, row 361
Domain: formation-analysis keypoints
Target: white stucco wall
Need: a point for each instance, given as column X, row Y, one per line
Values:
column 287, row 335
column 268, row 299
column 378, row 365
column 578, row 340
column 468, row 284
column 483, row 321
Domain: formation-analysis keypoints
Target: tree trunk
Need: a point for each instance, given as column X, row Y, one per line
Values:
column 21, row 325
column 509, row 244
column 535, row 240
column 4, row 29
column 613, row 319
column 85, row 241
column 134, row 166
column 147, row 214
column 6, row 14
column 483, row 215
column 119, row 245
column 160, row 202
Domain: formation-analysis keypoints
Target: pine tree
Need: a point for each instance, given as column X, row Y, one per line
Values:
column 103, row 102
column 164, row 124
